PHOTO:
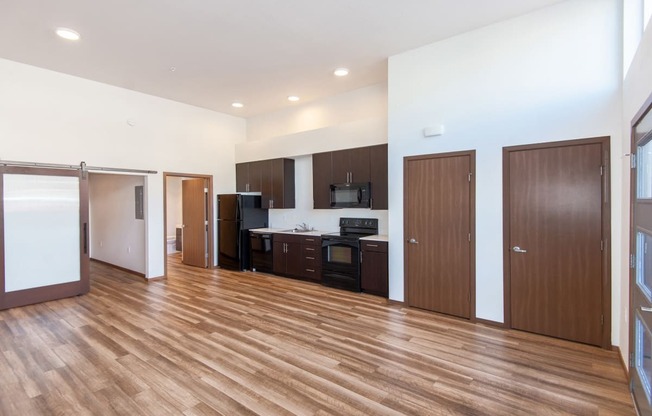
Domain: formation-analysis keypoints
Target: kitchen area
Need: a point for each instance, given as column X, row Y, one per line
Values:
column 326, row 219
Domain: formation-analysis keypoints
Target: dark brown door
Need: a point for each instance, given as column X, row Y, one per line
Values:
column 378, row 176
column 241, row 177
column 195, row 222
column 640, row 283
column 44, row 251
column 438, row 232
column 321, row 180
column 554, row 239
column 256, row 171
column 359, row 165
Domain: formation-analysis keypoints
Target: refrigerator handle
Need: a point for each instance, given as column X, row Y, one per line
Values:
column 238, row 203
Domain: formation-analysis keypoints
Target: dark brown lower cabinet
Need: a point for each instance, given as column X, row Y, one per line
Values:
column 374, row 268
column 297, row 256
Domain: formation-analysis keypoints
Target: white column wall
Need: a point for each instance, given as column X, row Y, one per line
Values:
column 551, row 75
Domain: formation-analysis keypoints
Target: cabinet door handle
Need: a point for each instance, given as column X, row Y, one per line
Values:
column 310, row 258
column 310, row 239
column 371, row 245
column 310, row 249
column 310, row 270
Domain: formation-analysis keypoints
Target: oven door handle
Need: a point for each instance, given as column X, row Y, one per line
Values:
column 326, row 242
column 359, row 195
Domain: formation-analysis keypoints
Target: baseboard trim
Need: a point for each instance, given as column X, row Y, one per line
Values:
column 396, row 302
column 155, row 279
column 622, row 361
column 490, row 323
column 124, row 269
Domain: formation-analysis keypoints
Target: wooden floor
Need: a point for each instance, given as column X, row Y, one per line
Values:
column 217, row 342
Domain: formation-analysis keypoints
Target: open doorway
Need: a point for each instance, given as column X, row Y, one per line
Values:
column 188, row 218
column 117, row 221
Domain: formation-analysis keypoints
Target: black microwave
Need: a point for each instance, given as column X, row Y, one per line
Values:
column 351, row 195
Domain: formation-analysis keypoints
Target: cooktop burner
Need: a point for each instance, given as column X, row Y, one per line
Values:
column 355, row 228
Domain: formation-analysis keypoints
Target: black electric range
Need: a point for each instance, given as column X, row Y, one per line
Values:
column 341, row 253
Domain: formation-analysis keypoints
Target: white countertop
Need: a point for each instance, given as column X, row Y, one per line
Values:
column 377, row 237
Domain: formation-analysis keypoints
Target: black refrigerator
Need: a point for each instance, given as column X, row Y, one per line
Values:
column 236, row 215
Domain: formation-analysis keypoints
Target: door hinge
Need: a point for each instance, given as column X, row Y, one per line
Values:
column 632, row 160
column 631, row 360
column 601, row 319
column 601, row 245
column 632, row 261
column 601, row 170
column 206, row 222
column 470, row 176
column 205, row 190
column 206, row 255
column 469, row 237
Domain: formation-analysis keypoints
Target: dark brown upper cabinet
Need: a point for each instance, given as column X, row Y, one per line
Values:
column 273, row 178
column 378, row 176
column 362, row 164
column 322, row 177
column 351, row 165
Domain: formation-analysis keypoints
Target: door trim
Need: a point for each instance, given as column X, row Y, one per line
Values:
column 606, row 227
column 211, row 222
column 645, row 109
column 406, row 160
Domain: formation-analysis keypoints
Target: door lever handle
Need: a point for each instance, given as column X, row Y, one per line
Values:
column 413, row 241
column 644, row 309
column 517, row 249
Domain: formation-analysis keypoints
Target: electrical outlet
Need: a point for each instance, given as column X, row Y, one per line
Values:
column 129, row 249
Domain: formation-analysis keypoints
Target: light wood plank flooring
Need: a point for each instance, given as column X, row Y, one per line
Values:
column 207, row 342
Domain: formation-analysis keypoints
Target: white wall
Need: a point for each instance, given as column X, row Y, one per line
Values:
column 354, row 119
column 547, row 76
column 116, row 236
column 174, row 205
column 636, row 89
column 46, row 116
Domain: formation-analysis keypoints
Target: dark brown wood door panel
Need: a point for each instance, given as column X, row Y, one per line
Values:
column 438, row 251
column 195, row 218
column 555, row 240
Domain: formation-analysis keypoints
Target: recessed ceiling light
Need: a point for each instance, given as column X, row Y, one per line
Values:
column 66, row 33
column 237, row 104
column 293, row 98
column 341, row 72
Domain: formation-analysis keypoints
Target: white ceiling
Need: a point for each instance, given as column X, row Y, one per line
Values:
column 254, row 51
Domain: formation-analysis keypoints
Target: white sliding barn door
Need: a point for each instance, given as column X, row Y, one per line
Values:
column 44, row 235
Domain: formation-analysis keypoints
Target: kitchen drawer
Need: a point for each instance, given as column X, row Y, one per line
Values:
column 313, row 251
column 371, row 245
column 311, row 240
column 311, row 262
column 288, row 238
